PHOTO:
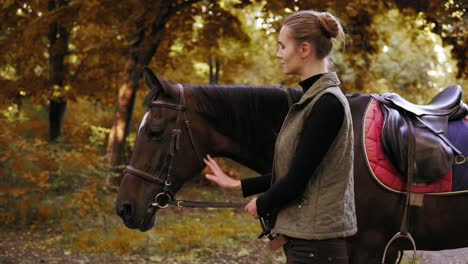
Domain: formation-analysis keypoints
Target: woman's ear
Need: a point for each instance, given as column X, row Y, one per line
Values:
column 305, row 49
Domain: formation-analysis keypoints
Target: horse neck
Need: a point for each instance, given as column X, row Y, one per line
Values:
column 247, row 120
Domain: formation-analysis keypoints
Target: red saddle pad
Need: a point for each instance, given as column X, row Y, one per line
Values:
column 379, row 164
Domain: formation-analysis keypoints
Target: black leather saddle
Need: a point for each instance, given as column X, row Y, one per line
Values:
column 416, row 135
column 447, row 102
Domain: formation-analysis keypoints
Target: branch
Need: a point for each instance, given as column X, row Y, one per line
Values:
column 183, row 5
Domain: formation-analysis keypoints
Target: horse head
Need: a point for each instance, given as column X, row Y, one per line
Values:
column 165, row 139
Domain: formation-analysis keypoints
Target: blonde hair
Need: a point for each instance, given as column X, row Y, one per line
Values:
column 319, row 28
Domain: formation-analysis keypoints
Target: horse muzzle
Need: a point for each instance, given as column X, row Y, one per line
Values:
column 144, row 223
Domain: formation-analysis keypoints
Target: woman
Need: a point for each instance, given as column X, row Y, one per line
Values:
column 312, row 189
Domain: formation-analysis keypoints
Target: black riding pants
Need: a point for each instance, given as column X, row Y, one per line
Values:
column 300, row 251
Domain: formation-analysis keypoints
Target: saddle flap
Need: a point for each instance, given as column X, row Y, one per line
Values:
column 432, row 156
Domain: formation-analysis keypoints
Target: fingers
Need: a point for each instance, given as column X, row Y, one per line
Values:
column 209, row 161
column 212, row 164
column 253, row 214
column 210, row 177
column 208, row 164
column 251, row 208
column 219, row 177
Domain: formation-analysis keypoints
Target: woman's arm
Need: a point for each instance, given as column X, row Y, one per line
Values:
column 319, row 132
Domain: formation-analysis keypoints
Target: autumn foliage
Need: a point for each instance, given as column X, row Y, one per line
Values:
column 414, row 48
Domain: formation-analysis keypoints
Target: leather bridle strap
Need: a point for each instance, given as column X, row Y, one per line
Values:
column 187, row 124
column 142, row 174
column 200, row 204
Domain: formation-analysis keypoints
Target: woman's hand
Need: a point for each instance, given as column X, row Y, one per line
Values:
column 219, row 177
column 251, row 208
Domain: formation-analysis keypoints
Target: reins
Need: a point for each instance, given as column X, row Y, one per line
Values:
column 200, row 204
column 167, row 196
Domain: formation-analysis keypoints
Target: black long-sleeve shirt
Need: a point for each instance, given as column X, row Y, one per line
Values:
column 319, row 132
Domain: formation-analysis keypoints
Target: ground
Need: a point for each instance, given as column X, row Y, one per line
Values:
column 32, row 247
column 26, row 247
column 182, row 236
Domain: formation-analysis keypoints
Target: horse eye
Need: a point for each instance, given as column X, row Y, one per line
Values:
column 155, row 132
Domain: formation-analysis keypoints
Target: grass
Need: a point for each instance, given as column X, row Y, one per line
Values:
column 182, row 234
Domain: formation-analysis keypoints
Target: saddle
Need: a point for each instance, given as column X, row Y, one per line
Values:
column 417, row 134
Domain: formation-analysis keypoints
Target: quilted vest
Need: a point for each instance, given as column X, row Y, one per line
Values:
column 326, row 209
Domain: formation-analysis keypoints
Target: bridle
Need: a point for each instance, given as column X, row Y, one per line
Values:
column 167, row 197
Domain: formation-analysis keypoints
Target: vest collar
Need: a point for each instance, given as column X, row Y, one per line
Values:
column 327, row 80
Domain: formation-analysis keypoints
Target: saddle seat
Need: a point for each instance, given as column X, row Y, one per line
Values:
column 443, row 103
column 423, row 128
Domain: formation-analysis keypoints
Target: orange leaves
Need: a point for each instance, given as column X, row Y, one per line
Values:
column 15, row 192
column 86, row 198
column 35, row 175
column 5, row 155
column 119, row 241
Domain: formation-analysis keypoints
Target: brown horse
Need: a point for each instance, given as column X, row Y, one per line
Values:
column 183, row 124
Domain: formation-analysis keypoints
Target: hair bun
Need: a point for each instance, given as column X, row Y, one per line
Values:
column 320, row 28
column 329, row 24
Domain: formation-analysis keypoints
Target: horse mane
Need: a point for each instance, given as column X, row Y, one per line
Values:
column 238, row 110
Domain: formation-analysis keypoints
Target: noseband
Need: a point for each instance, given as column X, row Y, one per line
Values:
column 167, row 196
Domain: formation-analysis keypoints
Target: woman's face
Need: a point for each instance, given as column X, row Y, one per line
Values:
column 288, row 52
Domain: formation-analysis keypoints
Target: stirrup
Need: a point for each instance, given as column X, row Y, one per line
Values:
column 395, row 237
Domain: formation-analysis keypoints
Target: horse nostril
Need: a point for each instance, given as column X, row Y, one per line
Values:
column 125, row 210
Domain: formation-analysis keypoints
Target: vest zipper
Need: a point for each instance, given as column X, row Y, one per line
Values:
column 273, row 175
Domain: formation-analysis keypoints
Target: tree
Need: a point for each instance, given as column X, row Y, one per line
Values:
column 31, row 43
column 58, row 49
column 358, row 17
column 152, row 28
column 446, row 18
column 149, row 29
column 110, row 41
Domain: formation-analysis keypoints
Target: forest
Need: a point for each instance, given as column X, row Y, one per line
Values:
column 72, row 98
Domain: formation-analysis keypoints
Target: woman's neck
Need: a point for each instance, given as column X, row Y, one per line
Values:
column 313, row 67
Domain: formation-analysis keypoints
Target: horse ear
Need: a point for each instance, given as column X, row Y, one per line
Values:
column 151, row 80
column 155, row 82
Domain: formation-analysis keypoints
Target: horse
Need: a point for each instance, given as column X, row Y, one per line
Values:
column 185, row 123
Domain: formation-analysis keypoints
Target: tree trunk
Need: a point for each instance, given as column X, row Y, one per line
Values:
column 214, row 70
column 56, row 115
column 58, row 37
column 126, row 100
column 140, row 54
